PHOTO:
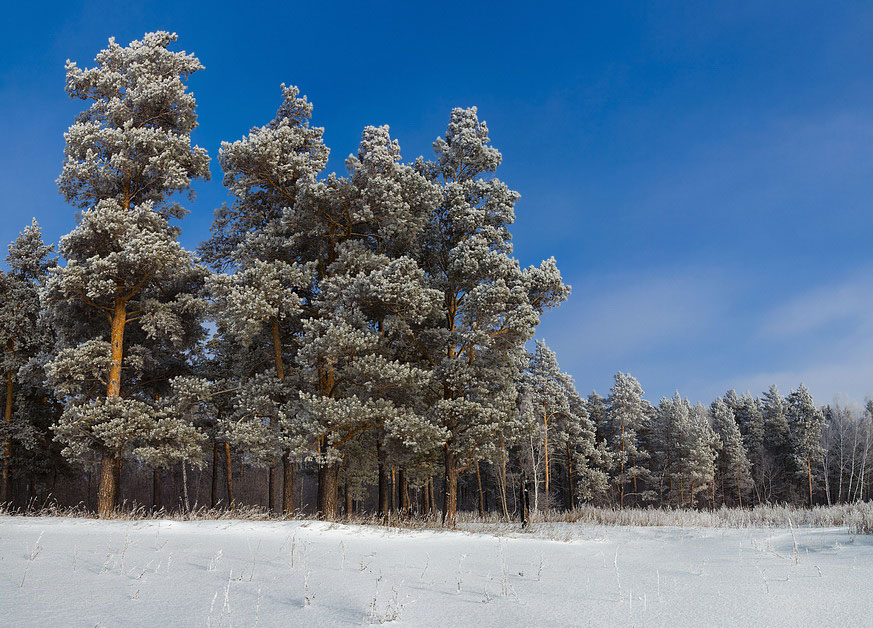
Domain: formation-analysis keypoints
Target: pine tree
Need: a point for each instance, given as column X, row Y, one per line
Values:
column 732, row 462
column 125, row 157
column 360, row 355
column 23, row 338
column 259, row 305
column 703, row 445
column 806, row 423
column 560, row 418
column 779, row 460
column 686, row 448
column 597, row 411
column 546, row 389
column 750, row 419
column 626, row 415
column 489, row 306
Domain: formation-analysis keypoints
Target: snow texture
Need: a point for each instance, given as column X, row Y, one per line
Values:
column 78, row 572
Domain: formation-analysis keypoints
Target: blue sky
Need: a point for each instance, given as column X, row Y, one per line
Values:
column 702, row 174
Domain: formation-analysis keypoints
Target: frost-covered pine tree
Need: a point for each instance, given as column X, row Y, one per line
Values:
column 702, row 452
column 686, row 449
column 732, row 463
column 259, row 304
column 778, row 464
column 119, row 296
column 626, row 416
column 24, row 340
column 750, row 419
column 806, row 422
column 596, row 405
column 489, row 307
column 322, row 271
column 545, row 388
column 360, row 360
column 559, row 417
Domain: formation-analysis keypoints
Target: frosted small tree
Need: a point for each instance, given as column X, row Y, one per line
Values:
column 626, row 415
column 732, row 462
column 23, row 337
column 806, row 422
column 125, row 157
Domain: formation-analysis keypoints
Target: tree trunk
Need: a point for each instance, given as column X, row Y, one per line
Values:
column 350, row 507
column 621, row 471
column 481, row 491
column 382, row 506
column 106, row 489
column 393, row 490
column 280, row 373
column 425, row 499
column 7, row 446
column 403, row 487
column 228, row 475
column 271, row 488
column 156, row 489
column 571, row 485
column 213, row 492
column 119, row 320
column 185, row 487
column 287, row 485
column 503, row 501
column 547, row 471
column 809, row 478
column 431, row 495
column 328, row 480
column 450, row 498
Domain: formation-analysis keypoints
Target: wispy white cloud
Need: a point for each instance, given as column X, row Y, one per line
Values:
column 847, row 303
column 825, row 337
column 619, row 315
column 695, row 330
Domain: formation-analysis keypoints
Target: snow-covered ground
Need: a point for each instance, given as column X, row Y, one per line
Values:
column 81, row 572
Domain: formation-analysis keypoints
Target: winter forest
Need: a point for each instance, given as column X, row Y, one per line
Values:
column 343, row 343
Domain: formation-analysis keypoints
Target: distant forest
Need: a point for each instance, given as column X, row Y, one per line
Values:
column 342, row 343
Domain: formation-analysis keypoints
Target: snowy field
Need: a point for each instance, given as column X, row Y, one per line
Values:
column 83, row 572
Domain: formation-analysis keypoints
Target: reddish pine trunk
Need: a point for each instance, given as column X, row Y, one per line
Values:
column 450, row 499
column 350, row 507
column 287, row 485
column 328, row 480
column 382, row 507
column 403, row 488
column 481, row 491
column 213, row 492
column 271, row 488
column 156, row 489
column 228, row 474
column 107, row 490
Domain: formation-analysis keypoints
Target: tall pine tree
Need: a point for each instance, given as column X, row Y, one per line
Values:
column 126, row 156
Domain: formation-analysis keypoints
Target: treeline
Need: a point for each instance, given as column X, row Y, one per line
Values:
column 353, row 342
